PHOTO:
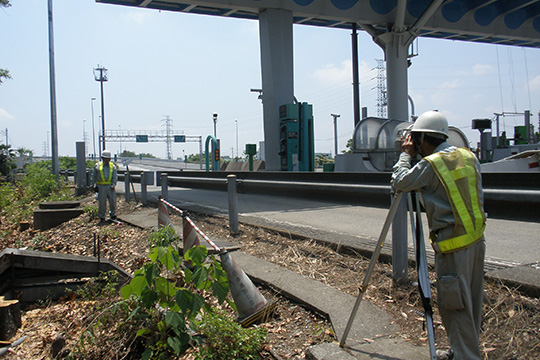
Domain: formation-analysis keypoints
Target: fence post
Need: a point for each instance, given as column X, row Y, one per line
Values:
column 233, row 203
column 144, row 194
column 126, row 185
column 164, row 186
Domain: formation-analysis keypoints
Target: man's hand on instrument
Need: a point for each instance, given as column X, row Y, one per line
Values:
column 407, row 145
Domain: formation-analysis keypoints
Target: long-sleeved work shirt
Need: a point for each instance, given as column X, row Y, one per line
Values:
column 422, row 177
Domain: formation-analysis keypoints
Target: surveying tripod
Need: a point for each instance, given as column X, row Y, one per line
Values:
column 421, row 265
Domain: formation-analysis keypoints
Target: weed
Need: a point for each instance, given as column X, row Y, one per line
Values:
column 226, row 339
column 91, row 211
column 164, row 237
column 102, row 286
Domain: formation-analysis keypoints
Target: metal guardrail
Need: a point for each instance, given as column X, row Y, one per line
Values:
column 513, row 196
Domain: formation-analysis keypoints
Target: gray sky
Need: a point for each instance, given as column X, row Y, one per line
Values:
column 189, row 66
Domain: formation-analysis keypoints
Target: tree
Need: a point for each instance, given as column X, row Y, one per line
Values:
column 349, row 147
column 25, row 152
column 7, row 155
column 4, row 73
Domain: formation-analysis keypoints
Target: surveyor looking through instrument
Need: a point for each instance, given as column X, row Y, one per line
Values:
column 104, row 180
column 450, row 185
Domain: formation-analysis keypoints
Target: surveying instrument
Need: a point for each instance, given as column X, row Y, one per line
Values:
column 421, row 266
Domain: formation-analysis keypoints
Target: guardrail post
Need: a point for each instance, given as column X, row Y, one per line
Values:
column 233, row 203
column 126, row 185
column 164, row 186
column 144, row 194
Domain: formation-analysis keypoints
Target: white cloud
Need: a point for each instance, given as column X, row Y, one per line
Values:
column 5, row 116
column 137, row 17
column 333, row 74
column 482, row 69
column 534, row 84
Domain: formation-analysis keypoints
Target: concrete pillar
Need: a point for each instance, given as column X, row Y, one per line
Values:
column 164, row 181
column 396, row 77
column 276, row 39
column 81, row 168
column 398, row 108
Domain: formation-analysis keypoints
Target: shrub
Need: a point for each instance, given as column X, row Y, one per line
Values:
column 226, row 339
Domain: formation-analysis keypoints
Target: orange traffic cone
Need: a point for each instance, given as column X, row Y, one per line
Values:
column 250, row 303
column 163, row 215
column 190, row 235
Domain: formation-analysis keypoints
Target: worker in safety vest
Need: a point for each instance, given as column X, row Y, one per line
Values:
column 449, row 182
column 104, row 179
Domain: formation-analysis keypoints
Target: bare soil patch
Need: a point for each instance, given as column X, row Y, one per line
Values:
column 511, row 324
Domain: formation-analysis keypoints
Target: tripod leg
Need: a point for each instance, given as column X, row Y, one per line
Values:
column 374, row 258
column 423, row 273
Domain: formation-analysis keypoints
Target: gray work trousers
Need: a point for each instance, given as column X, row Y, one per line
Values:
column 460, row 283
column 106, row 193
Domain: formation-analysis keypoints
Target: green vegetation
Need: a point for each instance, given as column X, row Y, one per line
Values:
column 127, row 153
column 18, row 199
column 166, row 309
column 226, row 339
column 7, row 159
column 348, row 147
column 4, row 74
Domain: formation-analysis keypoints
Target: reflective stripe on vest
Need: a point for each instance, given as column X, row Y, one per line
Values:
column 458, row 174
column 102, row 180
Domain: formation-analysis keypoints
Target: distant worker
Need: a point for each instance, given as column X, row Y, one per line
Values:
column 104, row 179
column 449, row 182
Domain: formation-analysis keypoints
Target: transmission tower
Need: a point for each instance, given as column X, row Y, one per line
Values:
column 381, row 89
column 168, row 128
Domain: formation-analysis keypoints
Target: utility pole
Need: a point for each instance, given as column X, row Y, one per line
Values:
column 236, row 123
column 52, row 85
column 93, row 128
column 335, row 116
column 100, row 74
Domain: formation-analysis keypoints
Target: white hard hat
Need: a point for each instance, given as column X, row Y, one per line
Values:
column 432, row 122
column 106, row 154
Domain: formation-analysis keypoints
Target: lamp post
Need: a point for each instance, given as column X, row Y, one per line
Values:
column 335, row 116
column 84, row 136
column 93, row 129
column 215, row 122
column 236, row 123
column 120, row 136
column 100, row 74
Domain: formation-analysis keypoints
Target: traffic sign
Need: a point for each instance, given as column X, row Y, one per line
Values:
column 141, row 138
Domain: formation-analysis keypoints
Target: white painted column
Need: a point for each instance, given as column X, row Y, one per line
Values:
column 276, row 39
column 398, row 108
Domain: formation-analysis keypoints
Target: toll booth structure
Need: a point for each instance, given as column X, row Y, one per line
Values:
column 297, row 144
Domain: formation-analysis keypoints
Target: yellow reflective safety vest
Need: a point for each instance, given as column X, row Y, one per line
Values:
column 101, row 180
column 458, row 174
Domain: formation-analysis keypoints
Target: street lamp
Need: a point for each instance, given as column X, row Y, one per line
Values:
column 215, row 122
column 93, row 129
column 84, row 136
column 120, row 128
column 335, row 116
column 100, row 74
column 236, row 123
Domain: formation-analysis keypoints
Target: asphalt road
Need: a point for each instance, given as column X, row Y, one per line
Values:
column 508, row 242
